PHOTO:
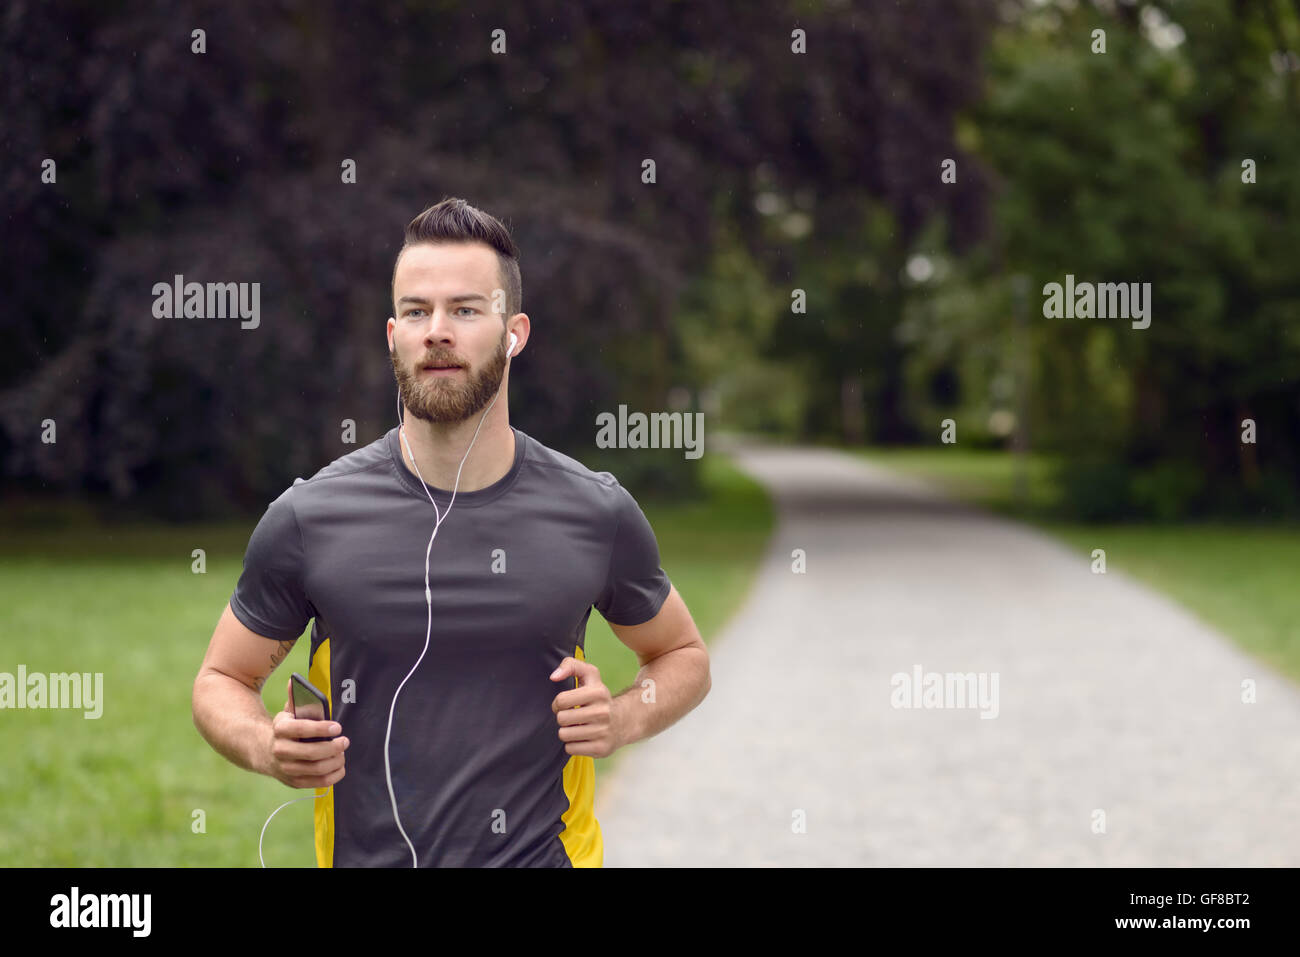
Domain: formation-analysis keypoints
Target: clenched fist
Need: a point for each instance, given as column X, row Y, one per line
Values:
column 585, row 714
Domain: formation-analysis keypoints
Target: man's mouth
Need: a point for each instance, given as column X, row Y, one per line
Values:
column 441, row 369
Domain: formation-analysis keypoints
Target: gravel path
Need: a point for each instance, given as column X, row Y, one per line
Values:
column 1110, row 700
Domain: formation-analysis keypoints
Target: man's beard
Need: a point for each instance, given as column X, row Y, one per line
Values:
column 444, row 399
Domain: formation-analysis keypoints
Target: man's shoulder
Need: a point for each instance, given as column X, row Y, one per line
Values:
column 362, row 461
column 557, row 468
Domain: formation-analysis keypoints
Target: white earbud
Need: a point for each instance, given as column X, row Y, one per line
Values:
column 513, row 339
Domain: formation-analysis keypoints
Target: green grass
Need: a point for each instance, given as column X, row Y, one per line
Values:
column 985, row 478
column 122, row 790
column 1239, row 578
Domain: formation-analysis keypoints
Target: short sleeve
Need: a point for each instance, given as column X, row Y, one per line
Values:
column 635, row 585
column 269, row 597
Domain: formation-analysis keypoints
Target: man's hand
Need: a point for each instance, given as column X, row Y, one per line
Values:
column 585, row 714
column 297, row 763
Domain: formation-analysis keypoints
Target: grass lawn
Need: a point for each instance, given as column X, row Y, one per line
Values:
column 125, row 790
column 1237, row 577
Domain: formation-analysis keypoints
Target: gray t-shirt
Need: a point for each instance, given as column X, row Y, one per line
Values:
column 480, row 773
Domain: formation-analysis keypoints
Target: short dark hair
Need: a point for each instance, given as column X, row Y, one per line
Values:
column 455, row 221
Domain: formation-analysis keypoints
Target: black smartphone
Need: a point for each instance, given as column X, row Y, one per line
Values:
column 309, row 703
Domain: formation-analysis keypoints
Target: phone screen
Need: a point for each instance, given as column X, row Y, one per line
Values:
column 305, row 704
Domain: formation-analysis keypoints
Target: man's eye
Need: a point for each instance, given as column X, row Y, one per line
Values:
column 470, row 308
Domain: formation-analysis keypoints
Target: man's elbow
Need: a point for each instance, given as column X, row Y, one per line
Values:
column 207, row 686
column 197, row 695
column 707, row 684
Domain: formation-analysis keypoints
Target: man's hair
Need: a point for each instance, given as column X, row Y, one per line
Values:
column 455, row 221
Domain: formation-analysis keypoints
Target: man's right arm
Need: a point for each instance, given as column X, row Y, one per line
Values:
column 228, row 711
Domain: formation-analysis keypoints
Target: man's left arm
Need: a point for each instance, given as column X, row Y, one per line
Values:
column 673, row 679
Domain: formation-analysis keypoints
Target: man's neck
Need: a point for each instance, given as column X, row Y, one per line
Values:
column 438, row 448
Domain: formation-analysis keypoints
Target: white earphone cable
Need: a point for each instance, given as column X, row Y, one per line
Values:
column 309, row 797
column 428, row 594
column 428, row 599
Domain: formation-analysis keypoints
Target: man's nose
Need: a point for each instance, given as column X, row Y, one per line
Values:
column 439, row 328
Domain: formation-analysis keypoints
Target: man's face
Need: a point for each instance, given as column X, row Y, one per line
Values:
column 443, row 296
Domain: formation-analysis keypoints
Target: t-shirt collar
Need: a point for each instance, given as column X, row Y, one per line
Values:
column 443, row 496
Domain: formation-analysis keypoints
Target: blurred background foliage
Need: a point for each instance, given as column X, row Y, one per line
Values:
column 1127, row 166
column 775, row 173
column 225, row 166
